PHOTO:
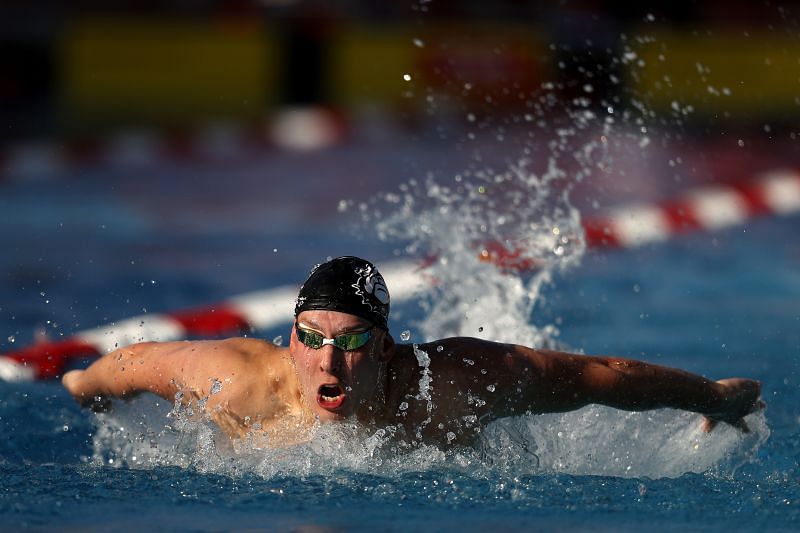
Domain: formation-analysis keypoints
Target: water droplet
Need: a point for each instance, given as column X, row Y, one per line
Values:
column 450, row 437
column 469, row 361
column 490, row 388
column 278, row 341
column 404, row 406
column 418, row 43
column 65, row 428
column 440, row 348
column 480, row 329
column 12, row 339
column 407, row 77
column 405, row 336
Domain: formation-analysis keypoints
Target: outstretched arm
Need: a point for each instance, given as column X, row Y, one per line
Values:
column 544, row 381
column 163, row 369
column 633, row 385
column 125, row 372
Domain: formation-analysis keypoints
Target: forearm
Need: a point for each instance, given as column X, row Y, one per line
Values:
column 638, row 386
column 120, row 374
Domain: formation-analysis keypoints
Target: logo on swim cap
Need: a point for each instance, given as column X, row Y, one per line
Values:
column 370, row 283
column 375, row 285
column 349, row 285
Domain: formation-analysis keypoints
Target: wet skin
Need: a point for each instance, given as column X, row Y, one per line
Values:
column 282, row 392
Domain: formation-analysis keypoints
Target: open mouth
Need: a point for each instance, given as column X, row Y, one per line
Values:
column 330, row 396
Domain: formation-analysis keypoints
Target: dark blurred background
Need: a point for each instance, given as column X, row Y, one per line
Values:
column 86, row 68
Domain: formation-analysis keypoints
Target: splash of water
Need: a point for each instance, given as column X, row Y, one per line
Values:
column 517, row 214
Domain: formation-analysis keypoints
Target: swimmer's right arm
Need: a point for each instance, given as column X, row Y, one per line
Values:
column 192, row 367
column 125, row 372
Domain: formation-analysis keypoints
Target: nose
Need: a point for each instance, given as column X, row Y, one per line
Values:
column 329, row 359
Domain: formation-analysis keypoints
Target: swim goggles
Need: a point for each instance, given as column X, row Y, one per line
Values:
column 346, row 341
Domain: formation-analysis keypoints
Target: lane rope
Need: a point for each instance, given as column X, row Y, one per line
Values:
column 705, row 209
column 292, row 129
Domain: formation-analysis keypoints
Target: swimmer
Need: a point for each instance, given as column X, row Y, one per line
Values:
column 343, row 364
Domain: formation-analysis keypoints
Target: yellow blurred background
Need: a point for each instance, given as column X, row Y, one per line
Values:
column 87, row 68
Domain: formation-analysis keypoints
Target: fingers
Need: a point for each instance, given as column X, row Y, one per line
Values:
column 71, row 381
column 708, row 424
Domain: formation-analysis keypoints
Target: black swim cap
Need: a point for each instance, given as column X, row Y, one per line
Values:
column 349, row 285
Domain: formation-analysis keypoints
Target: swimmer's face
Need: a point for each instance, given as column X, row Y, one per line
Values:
column 338, row 384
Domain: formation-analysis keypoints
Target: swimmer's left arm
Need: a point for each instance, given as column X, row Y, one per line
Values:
column 549, row 381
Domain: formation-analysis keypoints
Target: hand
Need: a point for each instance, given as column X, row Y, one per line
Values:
column 97, row 402
column 740, row 398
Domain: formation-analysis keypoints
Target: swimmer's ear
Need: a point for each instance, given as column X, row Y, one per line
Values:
column 387, row 347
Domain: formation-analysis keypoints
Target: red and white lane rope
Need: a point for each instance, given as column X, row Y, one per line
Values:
column 298, row 129
column 706, row 209
column 248, row 312
column 710, row 208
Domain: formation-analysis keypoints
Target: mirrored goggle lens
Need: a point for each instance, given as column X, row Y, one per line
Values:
column 351, row 341
column 309, row 338
column 346, row 342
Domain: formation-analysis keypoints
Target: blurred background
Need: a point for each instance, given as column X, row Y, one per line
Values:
column 161, row 154
column 82, row 70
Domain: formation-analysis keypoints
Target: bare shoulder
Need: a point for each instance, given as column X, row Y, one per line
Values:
column 239, row 357
column 466, row 363
column 470, row 364
column 469, row 353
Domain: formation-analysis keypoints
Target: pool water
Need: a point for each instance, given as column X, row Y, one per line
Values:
column 100, row 244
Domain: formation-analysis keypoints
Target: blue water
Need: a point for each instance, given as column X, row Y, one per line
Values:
column 100, row 244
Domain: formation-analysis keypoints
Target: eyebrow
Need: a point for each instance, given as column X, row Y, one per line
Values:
column 312, row 324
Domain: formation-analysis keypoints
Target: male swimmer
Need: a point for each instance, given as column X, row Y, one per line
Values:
column 342, row 363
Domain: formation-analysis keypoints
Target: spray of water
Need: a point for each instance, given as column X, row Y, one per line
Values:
column 465, row 228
